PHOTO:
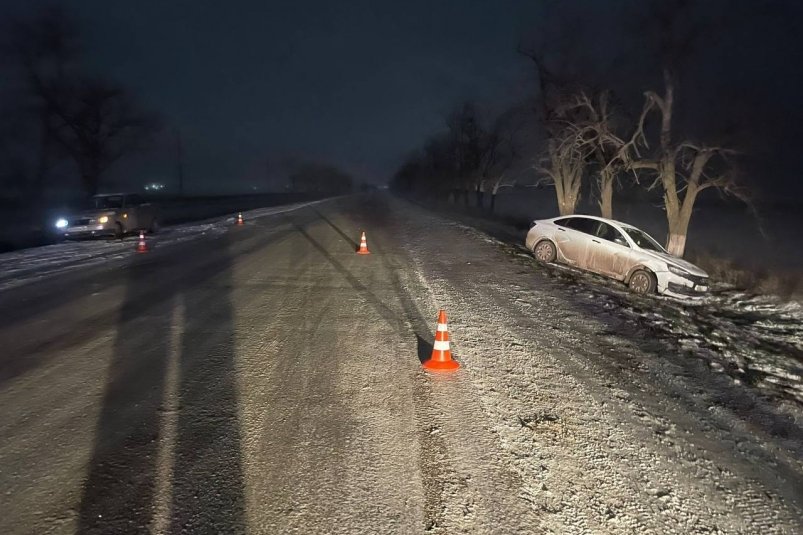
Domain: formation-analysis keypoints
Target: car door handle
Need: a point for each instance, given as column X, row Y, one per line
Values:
column 595, row 241
column 562, row 229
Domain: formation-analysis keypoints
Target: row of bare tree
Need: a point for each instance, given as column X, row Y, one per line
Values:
column 61, row 111
column 474, row 156
column 573, row 138
column 587, row 140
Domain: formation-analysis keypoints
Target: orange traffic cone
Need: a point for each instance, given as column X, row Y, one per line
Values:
column 142, row 246
column 240, row 219
column 441, row 359
column 363, row 245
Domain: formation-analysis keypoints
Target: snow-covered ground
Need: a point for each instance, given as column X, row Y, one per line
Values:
column 753, row 339
column 622, row 414
column 19, row 267
column 284, row 369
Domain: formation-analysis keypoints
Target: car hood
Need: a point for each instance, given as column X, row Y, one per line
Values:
column 677, row 262
column 92, row 214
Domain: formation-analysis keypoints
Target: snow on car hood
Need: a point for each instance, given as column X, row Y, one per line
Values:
column 678, row 262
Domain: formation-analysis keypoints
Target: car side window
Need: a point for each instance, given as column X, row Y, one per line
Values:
column 608, row 232
column 133, row 200
column 581, row 224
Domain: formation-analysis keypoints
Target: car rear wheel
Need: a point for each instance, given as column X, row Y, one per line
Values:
column 642, row 282
column 545, row 252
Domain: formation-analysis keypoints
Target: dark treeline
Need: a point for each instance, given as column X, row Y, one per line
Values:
column 626, row 95
column 68, row 129
column 60, row 114
column 320, row 178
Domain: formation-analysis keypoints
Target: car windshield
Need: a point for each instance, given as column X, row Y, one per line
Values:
column 106, row 202
column 643, row 240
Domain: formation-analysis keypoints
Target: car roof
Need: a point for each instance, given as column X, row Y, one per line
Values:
column 597, row 218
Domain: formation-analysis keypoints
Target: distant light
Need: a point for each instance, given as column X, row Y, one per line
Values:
column 61, row 223
column 154, row 186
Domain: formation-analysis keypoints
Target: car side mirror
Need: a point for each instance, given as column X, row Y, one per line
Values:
column 620, row 241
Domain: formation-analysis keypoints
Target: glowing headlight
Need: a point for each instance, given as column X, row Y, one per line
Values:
column 61, row 223
column 103, row 219
column 678, row 271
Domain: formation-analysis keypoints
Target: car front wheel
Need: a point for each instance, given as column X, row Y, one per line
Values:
column 642, row 282
column 545, row 252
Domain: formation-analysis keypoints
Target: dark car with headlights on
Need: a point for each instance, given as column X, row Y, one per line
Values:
column 109, row 214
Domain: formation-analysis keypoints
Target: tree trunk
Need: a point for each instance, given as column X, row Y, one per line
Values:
column 678, row 230
column 480, row 196
column 567, row 200
column 676, row 244
column 606, row 196
column 493, row 202
column 567, row 205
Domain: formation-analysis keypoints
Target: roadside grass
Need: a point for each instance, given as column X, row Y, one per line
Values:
column 786, row 284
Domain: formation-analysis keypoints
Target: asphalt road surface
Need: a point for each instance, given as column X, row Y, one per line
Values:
column 268, row 380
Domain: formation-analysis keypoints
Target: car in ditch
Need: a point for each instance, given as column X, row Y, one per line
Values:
column 616, row 250
column 109, row 214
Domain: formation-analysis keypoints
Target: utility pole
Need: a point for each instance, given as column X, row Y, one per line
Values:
column 179, row 163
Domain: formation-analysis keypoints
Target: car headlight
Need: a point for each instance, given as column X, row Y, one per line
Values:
column 678, row 271
column 61, row 223
column 103, row 219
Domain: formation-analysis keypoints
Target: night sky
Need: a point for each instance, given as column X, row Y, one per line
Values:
column 362, row 83
column 349, row 82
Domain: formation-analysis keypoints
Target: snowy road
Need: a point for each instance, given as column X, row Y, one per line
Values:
column 36, row 263
column 267, row 380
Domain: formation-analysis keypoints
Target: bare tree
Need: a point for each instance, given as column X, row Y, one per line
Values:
column 43, row 51
column 439, row 169
column 502, row 152
column 564, row 170
column 565, row 161
column 682, row 169
column 466, row 134
column 93, row 121
column 567, row 147
column 595, row 119
column 97, row 126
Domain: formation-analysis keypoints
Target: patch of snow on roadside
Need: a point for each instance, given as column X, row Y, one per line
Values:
column 608, row 436
column 19, row 267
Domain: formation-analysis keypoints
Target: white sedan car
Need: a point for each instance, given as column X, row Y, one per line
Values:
column 615, row 250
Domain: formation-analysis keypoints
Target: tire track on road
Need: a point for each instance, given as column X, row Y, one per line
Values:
column 465, row 494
